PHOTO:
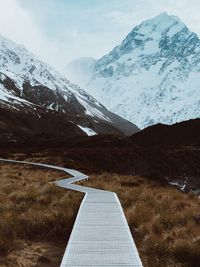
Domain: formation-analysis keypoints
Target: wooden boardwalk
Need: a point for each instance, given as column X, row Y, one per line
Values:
column 100, row 236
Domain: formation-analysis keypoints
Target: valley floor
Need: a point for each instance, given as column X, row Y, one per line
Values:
column 37, row 217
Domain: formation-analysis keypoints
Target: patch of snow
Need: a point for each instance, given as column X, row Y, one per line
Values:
column 92, row 111
column 180, row 184
column 87, row 130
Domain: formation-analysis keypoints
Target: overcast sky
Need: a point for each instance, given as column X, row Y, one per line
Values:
column 59, row 31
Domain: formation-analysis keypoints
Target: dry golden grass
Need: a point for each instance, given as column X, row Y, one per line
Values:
column 32, row 208
column 165, row 222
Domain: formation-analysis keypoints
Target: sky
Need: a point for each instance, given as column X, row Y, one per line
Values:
column 59, row 31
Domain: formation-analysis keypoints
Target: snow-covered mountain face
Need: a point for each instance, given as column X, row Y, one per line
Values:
column 26, row 81
column 153, row 75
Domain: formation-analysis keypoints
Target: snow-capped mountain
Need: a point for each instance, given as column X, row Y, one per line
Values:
column 26, row 83
column 152, row 76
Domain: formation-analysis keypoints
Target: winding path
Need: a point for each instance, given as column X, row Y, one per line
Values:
column 100, row 236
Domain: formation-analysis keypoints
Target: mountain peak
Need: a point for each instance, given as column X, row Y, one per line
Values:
column 164, row 16
column 152, row 30
column 153, row 75
column 159, row 24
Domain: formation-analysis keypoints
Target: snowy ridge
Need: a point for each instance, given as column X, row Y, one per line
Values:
column 26, row 80
column 21, row 65
column 153, row 75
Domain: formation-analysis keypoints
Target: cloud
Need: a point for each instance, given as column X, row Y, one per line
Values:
column 59, row 31
column 133, row 12
column 120, row 18
column 17, row 24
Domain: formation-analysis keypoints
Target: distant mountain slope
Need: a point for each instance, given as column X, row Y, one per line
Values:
column 153, row 76
column 28, row 84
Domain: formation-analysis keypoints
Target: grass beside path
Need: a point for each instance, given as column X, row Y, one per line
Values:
column 33, row 209
column 164, row 222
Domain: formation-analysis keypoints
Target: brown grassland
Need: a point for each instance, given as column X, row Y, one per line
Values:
column 164, row 222
column 36, row 217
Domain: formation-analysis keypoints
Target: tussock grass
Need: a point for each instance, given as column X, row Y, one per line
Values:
column 165, row 222
column 33, row 208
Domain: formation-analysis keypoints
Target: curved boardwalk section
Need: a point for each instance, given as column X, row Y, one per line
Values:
column 100, row 236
